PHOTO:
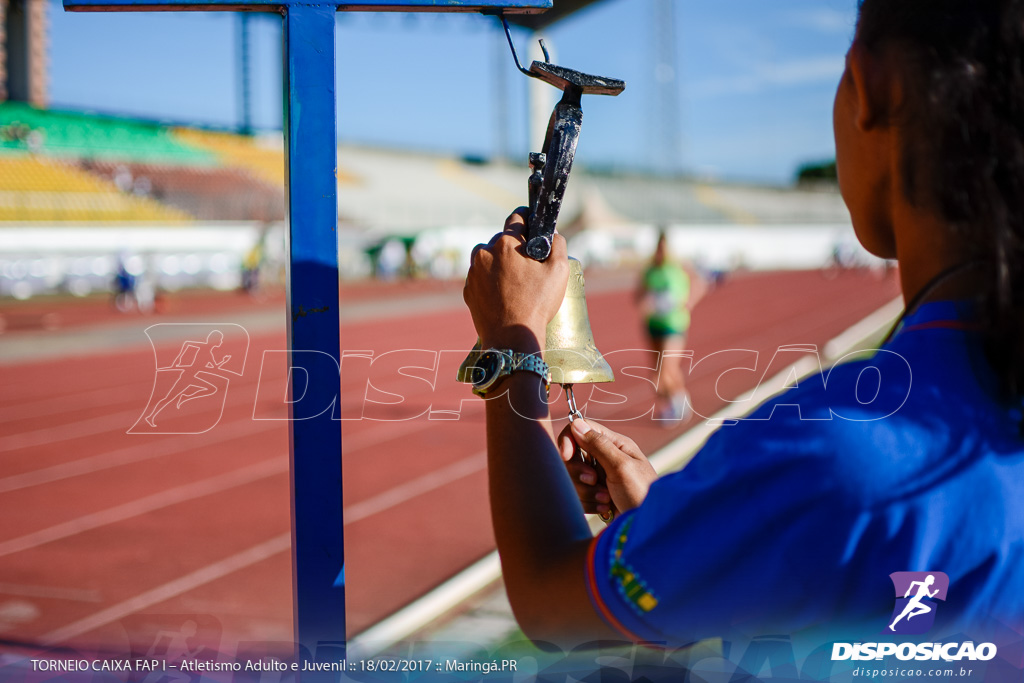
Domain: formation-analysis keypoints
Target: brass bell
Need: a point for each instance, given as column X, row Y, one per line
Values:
column 569, row 348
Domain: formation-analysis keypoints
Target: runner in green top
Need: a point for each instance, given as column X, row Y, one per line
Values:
column 663, row 293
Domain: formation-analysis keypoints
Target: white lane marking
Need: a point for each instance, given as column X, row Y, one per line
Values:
column 427, row 608
column 118, row 422
column 225, row 432
column 74, row 430
column 132, row 454
column 386, row 431
column 50, row 592
column 179, row 494
column 13, row 613
column 883, row 318
column 416, row 487
column 93, row 399
column 171, row 589
column 265, row 550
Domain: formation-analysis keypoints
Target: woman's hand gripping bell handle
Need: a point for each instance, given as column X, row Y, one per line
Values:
column 623, row 477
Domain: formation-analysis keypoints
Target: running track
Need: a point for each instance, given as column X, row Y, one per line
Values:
column 107, row 537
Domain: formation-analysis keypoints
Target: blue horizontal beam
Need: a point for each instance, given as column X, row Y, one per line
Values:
column 509, row 6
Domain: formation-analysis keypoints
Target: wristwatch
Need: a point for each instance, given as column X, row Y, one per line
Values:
column 493, row 365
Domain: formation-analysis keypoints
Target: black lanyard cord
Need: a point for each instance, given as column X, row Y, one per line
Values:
column 927, row 291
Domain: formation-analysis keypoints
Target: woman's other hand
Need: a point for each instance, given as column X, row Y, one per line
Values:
column 623, row 476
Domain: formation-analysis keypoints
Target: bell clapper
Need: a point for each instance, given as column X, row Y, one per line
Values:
column 574, row 413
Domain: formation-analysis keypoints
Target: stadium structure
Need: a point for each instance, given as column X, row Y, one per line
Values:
column 81, row 193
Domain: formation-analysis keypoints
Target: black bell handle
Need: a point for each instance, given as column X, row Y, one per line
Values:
column 547, row 194
column 550, row 169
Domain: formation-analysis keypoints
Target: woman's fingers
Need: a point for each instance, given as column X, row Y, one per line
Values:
column 623, row 443
column 515, row 224
column 593, row 497
column 588, row 477
column 583, row 473
column 624, row 470
column 567, row 445
column 600, row 509
column 598, row 444
column 587, row 480
column 567, row 441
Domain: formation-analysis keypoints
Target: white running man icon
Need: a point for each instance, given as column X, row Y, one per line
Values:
column 189, row 378
column 915, row 607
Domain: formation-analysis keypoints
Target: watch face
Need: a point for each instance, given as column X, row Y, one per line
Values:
column 487, row 367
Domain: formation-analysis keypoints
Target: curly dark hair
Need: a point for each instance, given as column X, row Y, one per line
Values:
column 963, row 62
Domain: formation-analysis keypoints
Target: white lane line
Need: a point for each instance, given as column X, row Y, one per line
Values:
column 179, row 494
column 427, row 608
column 171, row 589
column 258, row 553
column 118, row 422
column 238, row 394
column 133, row 454
column 223, row 432
column 386, row 431
column 93, row 399
column 883, row 318
column 416, row 487
column 50, row 592
column 75, row 430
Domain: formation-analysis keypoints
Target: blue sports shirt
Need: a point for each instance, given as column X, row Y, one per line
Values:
column 795, row 517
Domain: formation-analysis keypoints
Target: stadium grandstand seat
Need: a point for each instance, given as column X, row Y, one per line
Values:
column 266, row 162
column 78, row 166
column 34, row 189
column 208, row 194
column 87, row 136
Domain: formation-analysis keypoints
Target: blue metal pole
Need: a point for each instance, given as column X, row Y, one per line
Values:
column 245, row 72
column 313, row 324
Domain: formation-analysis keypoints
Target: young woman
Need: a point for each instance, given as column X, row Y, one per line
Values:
column 663, row 293
column 794, row 521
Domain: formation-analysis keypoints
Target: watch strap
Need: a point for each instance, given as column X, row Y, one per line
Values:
column 531, row 362
column 515, row 362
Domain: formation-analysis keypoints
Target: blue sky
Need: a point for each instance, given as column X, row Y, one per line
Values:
column 754, row 79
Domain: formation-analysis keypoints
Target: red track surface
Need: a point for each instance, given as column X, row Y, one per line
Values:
column 108, row 537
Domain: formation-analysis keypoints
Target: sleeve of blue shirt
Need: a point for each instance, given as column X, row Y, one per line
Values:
column 759, row 533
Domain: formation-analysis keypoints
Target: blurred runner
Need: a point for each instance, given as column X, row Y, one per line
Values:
column 663, row 295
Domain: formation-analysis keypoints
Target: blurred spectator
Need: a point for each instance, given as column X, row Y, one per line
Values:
column 123, row 178
column 251, row 265
column 392, row 259
column 124, row 287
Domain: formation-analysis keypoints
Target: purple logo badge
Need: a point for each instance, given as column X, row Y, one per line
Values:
column 916, row 593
